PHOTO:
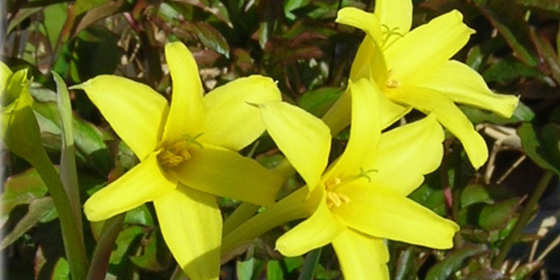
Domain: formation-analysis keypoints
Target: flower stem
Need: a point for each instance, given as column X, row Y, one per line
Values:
column 523, row 219
column 295, row 206
column 71, row 230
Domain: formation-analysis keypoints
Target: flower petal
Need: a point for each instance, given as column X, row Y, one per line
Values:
column 232, row 123
column 369, row 63
column 191, row 224
column 186, row 112
column 317, row 231
column 395, row 14
column 365, row 130
column 361, row 257
column 464, row 85
column 145, row 182
column 226, row 173
column 412, row 57
column 449, row 115
column 407, row 153
column 135, row 111
column 304, row 139
column 385, row 214
column 368, row 22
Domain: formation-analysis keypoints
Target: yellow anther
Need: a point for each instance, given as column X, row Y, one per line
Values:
column 336, row 199
column 332, row 182
column 392, row 83
column 174, row 155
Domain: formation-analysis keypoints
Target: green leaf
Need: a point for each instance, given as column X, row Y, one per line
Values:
column 274, row 271
column 40, row 210
column 245, row 269
column 497, row 215
column 155, row 256
column 124, row 240
column 522, row 113
column 21, row 189
column 209, row 36
column 318, row 101
column 472, row 194
column 541, row 145
column 291, row 5
column 102, row 253
column 551, row 7
column 454, row 261
column 310, row 265
column 512, row 26
column 61, row 270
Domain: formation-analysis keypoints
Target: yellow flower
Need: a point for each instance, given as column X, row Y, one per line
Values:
column 361, row 198
column 187, row 153
column 414, row 68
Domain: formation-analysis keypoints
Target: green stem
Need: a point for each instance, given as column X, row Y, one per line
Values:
column 104, row 247
column 293, row 207
column 523, row 219
column 71, row 230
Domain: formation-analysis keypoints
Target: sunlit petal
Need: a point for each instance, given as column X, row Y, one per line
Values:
column 230, row 121
column 385, row 214
column 449, row 115
column 395, row 14
column 317, row 231
column 228, row 174
column 411, row 58
column 304, row 139
column 365, row 131
column 363, row 20
column 135, row 111
column 369, row 63
column 191, row 225
column 407, row 153
column 464, row 85
column 141, row 184
column 361, row 257
column 186, row 112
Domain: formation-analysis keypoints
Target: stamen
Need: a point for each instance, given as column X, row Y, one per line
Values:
column 336, row 199
column 174, row 155
column 392, row 83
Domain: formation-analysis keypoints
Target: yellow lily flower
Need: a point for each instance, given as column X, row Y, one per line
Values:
column 187, row 153
column 414, row 68
column 361, row 198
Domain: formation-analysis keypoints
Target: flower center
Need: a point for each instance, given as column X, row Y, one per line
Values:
column 336, row 198
column 392, row 82
column 174, row 154
column 178, row 152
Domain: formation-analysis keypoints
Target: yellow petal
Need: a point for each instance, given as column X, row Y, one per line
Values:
column 191, row 225
column 338, row 116
column 411, row 58
column 317, row 231
column 464, row 85
column 145, row 182
column 407, row 153
column 135, row 111
column 395, row 14
column 226, row 173
column 365, row 130
column 369, row 63
column 232, row 123
column 449, row 115
column 385, row 214
column 368, row 22
column 304, row 139
column 361, row 257
column 186, row 111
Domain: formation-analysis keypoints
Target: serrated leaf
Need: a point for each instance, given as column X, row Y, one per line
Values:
column 454, row 261
column 40, row 210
